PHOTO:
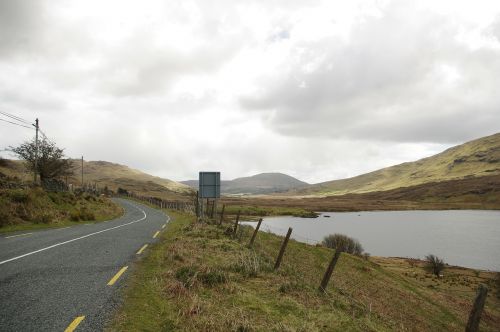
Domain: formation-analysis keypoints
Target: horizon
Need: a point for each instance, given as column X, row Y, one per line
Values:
column 317, row 90
column 274, row 172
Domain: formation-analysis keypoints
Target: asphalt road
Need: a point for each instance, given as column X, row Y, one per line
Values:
column 60, row 279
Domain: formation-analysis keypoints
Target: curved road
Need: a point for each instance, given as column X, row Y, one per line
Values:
column 67, row 279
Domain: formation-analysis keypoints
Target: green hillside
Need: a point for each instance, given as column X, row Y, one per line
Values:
column 476, row 158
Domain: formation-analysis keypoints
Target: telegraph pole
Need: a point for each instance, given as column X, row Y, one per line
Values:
column 82, row 172
column 36, row 150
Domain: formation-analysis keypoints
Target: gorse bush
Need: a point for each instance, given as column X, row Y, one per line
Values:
column 343, row 243
column 434, row 265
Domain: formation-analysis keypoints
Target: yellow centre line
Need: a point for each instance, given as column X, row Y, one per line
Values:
column 118, row 275
column 142, row 249
column 25, row 234
column 156, row 234
column 74, row 324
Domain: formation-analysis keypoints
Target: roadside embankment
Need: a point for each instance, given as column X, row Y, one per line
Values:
column 33, row 208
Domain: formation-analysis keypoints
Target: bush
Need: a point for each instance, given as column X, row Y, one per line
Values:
column 186, row 275
column 343, row 243
column 82, row 214
column 4, row 218
column 44, row 218
column 212, row 277
column 434, row 265
column 20, row 196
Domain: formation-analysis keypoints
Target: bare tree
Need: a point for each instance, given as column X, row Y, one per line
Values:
column 434, row 264
column 51, row 164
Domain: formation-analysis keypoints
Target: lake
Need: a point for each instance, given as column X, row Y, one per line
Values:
column 461, row 237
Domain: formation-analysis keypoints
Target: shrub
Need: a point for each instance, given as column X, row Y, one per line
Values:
column 212, row 277
column 43, row 218
column 82, row 214
column 75, row 215
column 343, row 243
column 86, row 215
column 20, row 196
column 434, row 265
column 4, row 218
column 186, row 275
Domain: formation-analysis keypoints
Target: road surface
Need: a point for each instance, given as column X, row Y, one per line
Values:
column 68, row 279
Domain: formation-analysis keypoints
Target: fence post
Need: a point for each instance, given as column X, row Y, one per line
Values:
column 236, row 223
column 282, row 250
column 477, row 309
column 222, row 214
column 329, row 271
column 255, row 232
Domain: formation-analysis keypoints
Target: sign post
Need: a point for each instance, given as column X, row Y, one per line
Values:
column 209, row 187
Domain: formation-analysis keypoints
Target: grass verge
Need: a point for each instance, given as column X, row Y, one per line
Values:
column 31, row 209
column 199, row 277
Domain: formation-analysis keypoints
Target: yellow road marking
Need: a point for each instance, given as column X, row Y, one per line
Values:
column 142, row 249
column 74, row 324
column 156, row 234
column 118, row 275
column 25, row 234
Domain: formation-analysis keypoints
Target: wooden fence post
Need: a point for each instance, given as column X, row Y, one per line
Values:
column 329, row 271
column 236, row 223
column 255, row 232
column 213, row 208
column 282, row 250
column 222, row 214
column 477, row 309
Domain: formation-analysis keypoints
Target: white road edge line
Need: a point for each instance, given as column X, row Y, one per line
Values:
column 76, row 239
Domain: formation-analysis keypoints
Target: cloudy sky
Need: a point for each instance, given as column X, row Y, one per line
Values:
column 316, row 89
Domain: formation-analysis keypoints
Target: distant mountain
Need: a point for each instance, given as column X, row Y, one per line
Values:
column 477, row 158
column 111, row 175
column 264, row 183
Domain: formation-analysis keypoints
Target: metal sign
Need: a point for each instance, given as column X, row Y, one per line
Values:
column 209, row 183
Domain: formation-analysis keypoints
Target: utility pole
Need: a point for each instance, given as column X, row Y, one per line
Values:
column 36, row 150
column 82, row 172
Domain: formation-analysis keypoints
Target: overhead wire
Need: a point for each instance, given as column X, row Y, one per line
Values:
column 12, row 116
column 17, row 124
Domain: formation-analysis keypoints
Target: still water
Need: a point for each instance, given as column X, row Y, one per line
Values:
column 465, row 238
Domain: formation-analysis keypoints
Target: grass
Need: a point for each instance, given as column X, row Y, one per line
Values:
column 31, row 209
column 261, row 211
column 201, row 278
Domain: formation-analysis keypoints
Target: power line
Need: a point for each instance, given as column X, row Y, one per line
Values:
column 17, row 124
column 15, row 117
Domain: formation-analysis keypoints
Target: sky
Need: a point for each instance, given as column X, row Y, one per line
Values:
column 319, row 90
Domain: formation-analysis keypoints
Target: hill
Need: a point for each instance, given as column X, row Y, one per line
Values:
column 476, row 158
column 471, row 193
column 264, row 183
column 112, row 175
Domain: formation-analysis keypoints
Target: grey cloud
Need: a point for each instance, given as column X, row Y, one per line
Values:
column 141, row 69
column 388, row 82
column 20, row 22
